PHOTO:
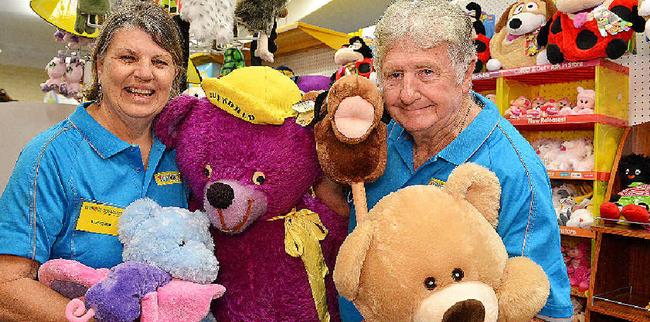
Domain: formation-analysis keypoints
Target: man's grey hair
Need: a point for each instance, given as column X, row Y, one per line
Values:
column 428, row 23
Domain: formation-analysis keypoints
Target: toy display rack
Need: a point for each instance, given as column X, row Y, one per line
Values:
column 620, row 283
column 605, row 127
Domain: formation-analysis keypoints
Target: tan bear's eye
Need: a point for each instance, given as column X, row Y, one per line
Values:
column 258, row 178
column 207, row 171
column 457, row 274
column 430, row 283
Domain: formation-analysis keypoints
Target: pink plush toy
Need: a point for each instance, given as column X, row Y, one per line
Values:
column 538, row 102
column 581, row 267
column 74, row 73
column 56, row 71
column 585, row 101
column 565, row 107
column 518, row 108
column 550, row 108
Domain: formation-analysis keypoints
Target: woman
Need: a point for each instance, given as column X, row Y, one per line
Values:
column 425, row 58
column 71, row 182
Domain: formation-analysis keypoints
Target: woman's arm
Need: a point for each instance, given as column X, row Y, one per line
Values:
column 22, row 298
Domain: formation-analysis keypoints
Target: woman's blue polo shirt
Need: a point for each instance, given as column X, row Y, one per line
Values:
column 78, row 164
column 527, row 221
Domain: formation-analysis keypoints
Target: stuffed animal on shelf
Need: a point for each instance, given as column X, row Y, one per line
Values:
column 580, row 218
column 259, row 16
column 579, row 268
column 518, row 108
column 250, row 166
column 565, row 107
column 413, row 258
column 644, row 11
column 74, row 73
column 631, row 202
column 169, row 265
column 354, row 58
column 589, row 29
column 210, row 19
column 586, row 100
column 481, row 41
column 550, row 108
column 514, row 43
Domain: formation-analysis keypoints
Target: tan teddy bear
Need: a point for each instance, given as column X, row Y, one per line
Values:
column 426, row 253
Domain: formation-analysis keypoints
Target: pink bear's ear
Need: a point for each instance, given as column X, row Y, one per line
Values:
column 168, row 122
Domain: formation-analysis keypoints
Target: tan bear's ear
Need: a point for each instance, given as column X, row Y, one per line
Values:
column 349, row 261
column 479, row 186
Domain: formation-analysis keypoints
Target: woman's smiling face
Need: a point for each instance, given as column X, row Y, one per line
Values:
column 136, row 75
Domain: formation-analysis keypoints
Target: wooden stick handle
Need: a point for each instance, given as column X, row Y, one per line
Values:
column 359, row 198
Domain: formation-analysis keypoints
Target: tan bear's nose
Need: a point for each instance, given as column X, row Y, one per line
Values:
column 465, row 311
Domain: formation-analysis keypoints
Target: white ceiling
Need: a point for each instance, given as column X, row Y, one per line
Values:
column 26, row 39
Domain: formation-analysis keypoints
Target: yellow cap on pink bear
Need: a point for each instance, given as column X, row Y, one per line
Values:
column 256, row 94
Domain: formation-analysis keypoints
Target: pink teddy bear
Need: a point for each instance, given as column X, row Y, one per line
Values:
column 585, row 101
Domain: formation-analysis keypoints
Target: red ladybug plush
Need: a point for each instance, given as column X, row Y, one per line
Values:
column 587, row 29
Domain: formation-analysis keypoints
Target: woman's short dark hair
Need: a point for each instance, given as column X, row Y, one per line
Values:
column 150, row 18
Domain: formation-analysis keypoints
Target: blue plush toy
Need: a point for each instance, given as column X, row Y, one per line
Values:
column 169, row 263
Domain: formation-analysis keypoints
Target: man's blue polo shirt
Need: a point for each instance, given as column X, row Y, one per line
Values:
column 527, row 222
column 74, row 162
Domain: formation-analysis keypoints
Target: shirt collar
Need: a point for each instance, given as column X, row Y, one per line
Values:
column 463, row 146
column 469, row 140
column 105, row 143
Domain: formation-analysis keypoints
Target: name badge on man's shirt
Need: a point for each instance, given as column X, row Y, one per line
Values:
column 98, row 218
column 168, row 177
column 436, row 182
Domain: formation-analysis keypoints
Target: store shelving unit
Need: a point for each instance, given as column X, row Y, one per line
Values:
column 605, row 127
column 620, row 283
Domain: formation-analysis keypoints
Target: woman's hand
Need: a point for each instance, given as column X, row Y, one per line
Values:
column 22, row 298
column 331, row 194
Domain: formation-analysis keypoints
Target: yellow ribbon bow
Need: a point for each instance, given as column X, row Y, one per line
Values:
column 303, row 231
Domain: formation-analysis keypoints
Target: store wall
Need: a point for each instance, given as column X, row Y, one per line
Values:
column 23, row 83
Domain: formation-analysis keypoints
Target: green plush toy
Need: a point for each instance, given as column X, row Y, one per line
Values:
column 90, row 14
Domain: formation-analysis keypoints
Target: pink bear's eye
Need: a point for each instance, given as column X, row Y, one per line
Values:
column 259, row 178
column 207, row 171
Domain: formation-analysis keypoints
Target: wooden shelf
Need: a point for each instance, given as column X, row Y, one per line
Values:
column 620, row 311
column 548, row 74
column 577, row 232
column 578, row 175
column 566, row 122
column 622, row 231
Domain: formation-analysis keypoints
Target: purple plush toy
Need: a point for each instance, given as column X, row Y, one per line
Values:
column 253, row 180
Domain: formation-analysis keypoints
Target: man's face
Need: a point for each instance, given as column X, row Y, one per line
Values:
column 420, row 87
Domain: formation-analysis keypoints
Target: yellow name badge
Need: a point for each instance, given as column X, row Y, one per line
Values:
column 98, row 218
column 436, row 182
column 169, row 177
